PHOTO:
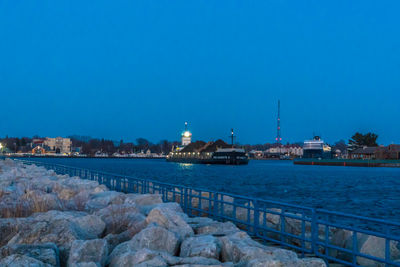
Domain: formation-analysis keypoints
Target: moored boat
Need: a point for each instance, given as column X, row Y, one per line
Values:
column 200, row 152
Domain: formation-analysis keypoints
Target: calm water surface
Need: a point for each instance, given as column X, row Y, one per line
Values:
column 373, row 192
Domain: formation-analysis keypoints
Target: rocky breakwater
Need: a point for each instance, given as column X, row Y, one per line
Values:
column 54, row 220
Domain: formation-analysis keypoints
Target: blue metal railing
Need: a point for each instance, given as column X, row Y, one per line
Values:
column 334, row 236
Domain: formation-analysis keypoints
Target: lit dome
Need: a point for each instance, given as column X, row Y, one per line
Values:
column 187, row 134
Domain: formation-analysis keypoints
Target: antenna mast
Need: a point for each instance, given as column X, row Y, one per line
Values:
column 232, row 137
column 278, row 130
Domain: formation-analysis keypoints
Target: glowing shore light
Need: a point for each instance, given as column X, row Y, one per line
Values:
column 186, row 134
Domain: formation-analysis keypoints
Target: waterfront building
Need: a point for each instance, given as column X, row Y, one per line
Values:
column 38, row 150
column 277, row 151
column 37, row 146
column 364, row 153
column 390, row 152
column 256, row 154
column 58, row 145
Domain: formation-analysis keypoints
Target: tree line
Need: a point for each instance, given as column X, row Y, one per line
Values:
column 90, row 146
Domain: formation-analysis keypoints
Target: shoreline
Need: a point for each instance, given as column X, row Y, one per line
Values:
column 74, row 157
column 349, row 162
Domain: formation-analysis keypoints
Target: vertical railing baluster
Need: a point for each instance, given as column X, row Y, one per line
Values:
column 256, row 216
column 355, row 247
column 314, row 232
column 387, row 246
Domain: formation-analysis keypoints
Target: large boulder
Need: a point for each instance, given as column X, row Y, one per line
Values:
column 17, row 260
column 142, row 257
column 90, row 226
column 95, row 250
column 119, row 218
column 9, row 227
column 201, row 262
column 313, row 262
column 196, row 222
column 143, row 199
column 155, row 237
column 171, row 220
column 47, row 253
column 376, row 247
column 217, row 229
column 114, row 240
column 274, row 261
column 61, row 228
column 103, row 199
column 146, row 209
column 239, row 247
column 206, row 246
column 341, row 238
column 36, row 201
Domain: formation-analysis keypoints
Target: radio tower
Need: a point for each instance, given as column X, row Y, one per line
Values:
column 278, row 130
column 232, row 137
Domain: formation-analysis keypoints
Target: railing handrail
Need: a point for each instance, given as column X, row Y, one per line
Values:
column 175, row 185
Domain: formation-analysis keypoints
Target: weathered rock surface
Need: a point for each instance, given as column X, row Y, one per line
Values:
column 143, row 200
column 120, row 217
column 61, row 228
column 47, row 253
column 217, row 229
column 171, row 220
column 146, row 209
column 84, row 251
column 376, row 246
column 103, row 199
column 155, row 237
column 239, row 247
column 17, row 260
column 201, row 246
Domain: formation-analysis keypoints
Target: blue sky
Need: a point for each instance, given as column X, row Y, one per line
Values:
column 128, row 69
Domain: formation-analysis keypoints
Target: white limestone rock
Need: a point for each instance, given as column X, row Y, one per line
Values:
column 171, row 220
column 119, row 218
column 17, row 260
column 47, row 253
column 84, row 251
column 201, row 246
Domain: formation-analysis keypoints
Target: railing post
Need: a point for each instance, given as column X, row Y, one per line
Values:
column 185, row 199
column 256, row 215
column 387, row 245
column 314, row 232
column 215, row 205
column 355, row 247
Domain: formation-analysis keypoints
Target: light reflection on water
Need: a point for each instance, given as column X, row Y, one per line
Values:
column 186, row 166
column 373, row 192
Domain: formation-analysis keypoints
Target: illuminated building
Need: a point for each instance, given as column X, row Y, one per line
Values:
column 186, row 138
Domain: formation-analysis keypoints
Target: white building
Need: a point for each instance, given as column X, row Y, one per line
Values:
column 290, row 150
column 58, row 144
column 186, row 136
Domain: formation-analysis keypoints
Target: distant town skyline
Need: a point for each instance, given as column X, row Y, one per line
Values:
column 131, row 69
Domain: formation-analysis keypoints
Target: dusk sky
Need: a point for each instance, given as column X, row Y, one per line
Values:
column 129, row 69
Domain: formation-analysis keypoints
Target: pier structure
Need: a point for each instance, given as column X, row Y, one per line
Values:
column 336, row 237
